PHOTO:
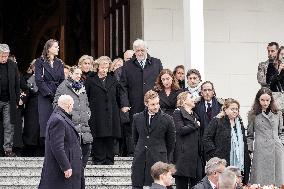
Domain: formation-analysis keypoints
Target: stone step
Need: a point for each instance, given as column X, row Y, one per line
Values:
column 87, row 187
column 39, row 161
column 90, row 170
column 93, row 185
column 34, row 180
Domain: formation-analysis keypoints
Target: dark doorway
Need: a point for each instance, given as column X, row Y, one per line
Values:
column 94, row 27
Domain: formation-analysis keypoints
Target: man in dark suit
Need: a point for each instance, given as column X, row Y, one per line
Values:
column 214, row 167
column 9, row 97
column 208, row 105
column 62, row 167
column 154, row 140
column 138, row 76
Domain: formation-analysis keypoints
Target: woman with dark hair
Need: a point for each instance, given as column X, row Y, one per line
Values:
column 225, row 138
column 179, row 75
column 265, row 126
column 187, row 153
column 168, row 89
column 49, row 73
column 275, row 75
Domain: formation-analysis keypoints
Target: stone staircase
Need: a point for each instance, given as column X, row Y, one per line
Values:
column 24, row 173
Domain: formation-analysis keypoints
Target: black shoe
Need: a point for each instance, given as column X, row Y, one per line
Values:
column 10, row 154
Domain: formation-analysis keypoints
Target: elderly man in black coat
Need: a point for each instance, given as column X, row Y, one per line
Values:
column 62, row 167
column 9, row 97
column 138, row 76
column 154, row 140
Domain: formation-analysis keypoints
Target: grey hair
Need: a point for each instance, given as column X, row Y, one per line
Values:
column 4, row 48
column 213, row 165
column 64, row 100
column 227, row 180
column 235, row 170
column 140, row 43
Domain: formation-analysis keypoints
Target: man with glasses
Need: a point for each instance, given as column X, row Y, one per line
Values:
column 208, row 106
column 214, row 167
column 9, row 97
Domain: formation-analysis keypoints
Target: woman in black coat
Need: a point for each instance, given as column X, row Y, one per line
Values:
column 49, row 73
column 103, row 93
column 187, row 154
column 225, row 138
column 31, row 123
column 168, row 89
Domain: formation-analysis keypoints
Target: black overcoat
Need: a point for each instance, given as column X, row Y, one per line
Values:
column 104, row 105
column 203, row 184
column 168, row 103
column 137, row 81
column 187, row 154
column 62, row 152
column 152, row 144
column 14, row 89
column 200, row 110
column 47, row 80
column 31, row 123
column 217, row 142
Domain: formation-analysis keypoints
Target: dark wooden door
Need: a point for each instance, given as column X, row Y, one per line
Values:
column 110, row 31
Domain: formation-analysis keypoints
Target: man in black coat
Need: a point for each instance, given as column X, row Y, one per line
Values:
column 9, row 97
column 138, row 76
column 154, row 140
column 208, row 106
column 62, row 167
column 214, row 167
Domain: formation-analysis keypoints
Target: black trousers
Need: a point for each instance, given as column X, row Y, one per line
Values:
column 103, row 151
column 127, row 146
column 86, row 151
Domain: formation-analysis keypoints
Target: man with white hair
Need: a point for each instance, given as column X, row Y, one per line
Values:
column 138, row 76
column 62, row 167
column 227, row 180
column 9, row 97
column 214, row 167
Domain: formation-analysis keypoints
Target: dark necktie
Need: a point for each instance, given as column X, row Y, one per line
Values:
column 150, row 119
column 209, row 111
column 141, row 64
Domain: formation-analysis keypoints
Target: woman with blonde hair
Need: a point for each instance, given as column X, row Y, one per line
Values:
column 168, row 89
column 103, row 93
column 85, row 63
column 225, row 138
column 187, row 153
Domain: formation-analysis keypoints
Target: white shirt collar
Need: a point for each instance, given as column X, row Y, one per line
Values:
column 206, row 105
column 212, row 184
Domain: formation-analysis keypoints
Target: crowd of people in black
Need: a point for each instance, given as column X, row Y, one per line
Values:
column 135, row 107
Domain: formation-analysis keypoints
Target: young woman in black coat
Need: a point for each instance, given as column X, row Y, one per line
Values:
column 49, row 73
column 103, row 93
column 187, row 154
column 168, row 89
column 225, row 138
